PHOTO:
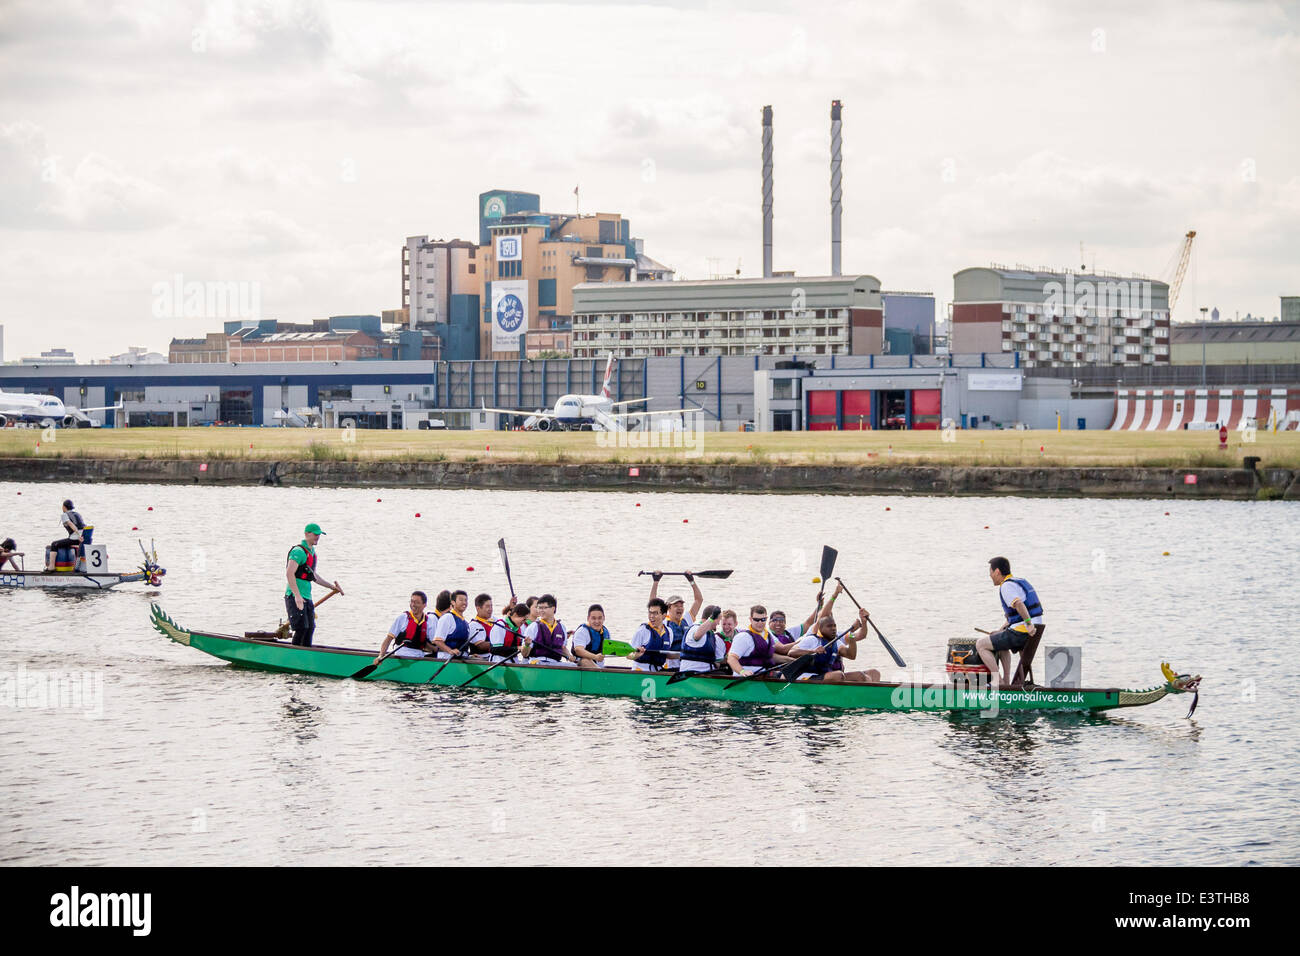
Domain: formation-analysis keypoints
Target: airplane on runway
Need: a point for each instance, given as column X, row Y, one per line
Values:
column 45, row 411
column 584, row 412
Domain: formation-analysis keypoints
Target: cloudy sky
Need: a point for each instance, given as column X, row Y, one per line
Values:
column 294, row 144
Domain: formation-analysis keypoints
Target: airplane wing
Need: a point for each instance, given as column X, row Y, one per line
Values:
column 99, row 408
column 630, row 401
column 671, row 411
column 516, row 411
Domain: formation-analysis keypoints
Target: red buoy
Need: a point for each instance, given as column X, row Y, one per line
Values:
column 417, row 514
column 377, row 500
column 470, row 568
column 686, row 521
column 134, row 528
column 887, row 507
column 151, row 507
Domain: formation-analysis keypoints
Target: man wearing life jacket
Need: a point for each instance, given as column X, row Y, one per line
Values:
column 830, row 649
column 507, row 639
column 753, row 649
column 1021, row 630
column 451, row 635
column 589, row 639
column 678, row 620
column 480, row 626
column 72, row 526
column 544, row 639
column 651, row 644
column 410, row 630
column 728, row 629
column 300, row 572
column 702, row 647
column 785, row 638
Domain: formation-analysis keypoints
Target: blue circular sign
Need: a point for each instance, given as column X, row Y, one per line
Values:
column 510, row 312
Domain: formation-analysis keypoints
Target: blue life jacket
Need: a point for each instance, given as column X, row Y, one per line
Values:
column 705, row 653
column 678, row 631
column 1032, row 604
column 459, row 636
column 595, row 639
column 653, row 652
column 827, row 659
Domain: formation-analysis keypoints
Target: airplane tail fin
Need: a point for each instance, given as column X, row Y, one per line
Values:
column 609, row 370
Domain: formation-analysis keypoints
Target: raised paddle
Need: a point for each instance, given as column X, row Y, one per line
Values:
column 829, row 555
column 720, row 575
column 505, row 562
column 883, row 640
column 281, row 632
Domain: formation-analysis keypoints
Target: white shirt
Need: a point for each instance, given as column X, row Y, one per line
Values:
column 398, row 632
column 446, row 626
column 581, row 637
column 477, row 632
column 689, row 622
column 70, row 526
column 1012, row 592
column 742, row 646
column 497, row 636
column 695, row 638
column 640, row 639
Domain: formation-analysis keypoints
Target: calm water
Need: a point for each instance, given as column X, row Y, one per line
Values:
column 195, row 762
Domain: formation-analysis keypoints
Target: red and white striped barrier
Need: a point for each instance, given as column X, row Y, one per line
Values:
column 1171, row 409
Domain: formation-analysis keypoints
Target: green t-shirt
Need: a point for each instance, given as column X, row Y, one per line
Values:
column 299, row 554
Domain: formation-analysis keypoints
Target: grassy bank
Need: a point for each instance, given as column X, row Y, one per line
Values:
column 1000, row 448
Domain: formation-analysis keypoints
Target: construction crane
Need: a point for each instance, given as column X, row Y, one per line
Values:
column 1184, row 257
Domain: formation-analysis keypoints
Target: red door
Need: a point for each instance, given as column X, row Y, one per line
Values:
column 857, row 410
column 927, row 405
column 821, row 411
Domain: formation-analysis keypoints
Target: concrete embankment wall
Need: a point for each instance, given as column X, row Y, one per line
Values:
column 1236, row 483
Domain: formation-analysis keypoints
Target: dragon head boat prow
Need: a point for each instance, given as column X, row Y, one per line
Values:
column 1181, row 684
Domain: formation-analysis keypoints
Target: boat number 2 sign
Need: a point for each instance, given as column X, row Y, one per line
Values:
column 1064, row 666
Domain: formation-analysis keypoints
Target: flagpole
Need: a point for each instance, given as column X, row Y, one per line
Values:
column 577, row 202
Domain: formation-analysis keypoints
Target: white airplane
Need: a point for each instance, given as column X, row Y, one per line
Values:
column 583, row 412
column 44, row 410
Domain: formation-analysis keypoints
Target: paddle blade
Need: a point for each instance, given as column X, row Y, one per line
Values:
column 505, row 562
column 364, row 672
column 720, row 575
column 888, row 647
column 829, row 555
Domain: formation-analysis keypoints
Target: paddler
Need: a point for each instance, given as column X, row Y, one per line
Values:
column 410, row 630
column 480, row 626
column 728, row 629
column 451, row 636
column 703, row 648
column 753, row 649
column 73, row 524
column 651, row 642
column 300, row 571
column 677, row 620
column 785, row 639
column 8, row 551
column 831, row 649
column 1021, row 631
column 589, row 639
column 506, row 637
column 544, row 638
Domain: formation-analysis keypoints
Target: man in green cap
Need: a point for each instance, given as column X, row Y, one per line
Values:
column 300, row 572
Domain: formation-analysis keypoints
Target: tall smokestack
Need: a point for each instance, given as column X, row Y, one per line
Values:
column 837, row 194
column 767, row 192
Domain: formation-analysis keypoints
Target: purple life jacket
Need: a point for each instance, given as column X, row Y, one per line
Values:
column 548, row 643
column 762, row 653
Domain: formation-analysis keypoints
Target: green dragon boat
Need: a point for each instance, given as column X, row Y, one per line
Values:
column 344, row 662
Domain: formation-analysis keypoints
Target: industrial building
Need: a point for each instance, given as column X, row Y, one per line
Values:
column 821, row 315
column 1230, row 343
column 1061, row 318
column 340, row 338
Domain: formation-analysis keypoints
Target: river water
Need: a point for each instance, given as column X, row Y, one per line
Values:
column 173, row 757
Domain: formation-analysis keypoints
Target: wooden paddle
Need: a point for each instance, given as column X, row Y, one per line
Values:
column 281, row 632
column 883, row 640
column 720, row 575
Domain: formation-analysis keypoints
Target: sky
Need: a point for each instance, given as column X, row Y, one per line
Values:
column 293, row 145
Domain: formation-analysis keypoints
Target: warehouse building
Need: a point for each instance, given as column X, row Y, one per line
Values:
column 1236, row 343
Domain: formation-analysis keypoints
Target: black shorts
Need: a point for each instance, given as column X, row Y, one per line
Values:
column 1008, row 640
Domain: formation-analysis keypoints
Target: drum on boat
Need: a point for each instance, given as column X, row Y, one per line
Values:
column 963, row 658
